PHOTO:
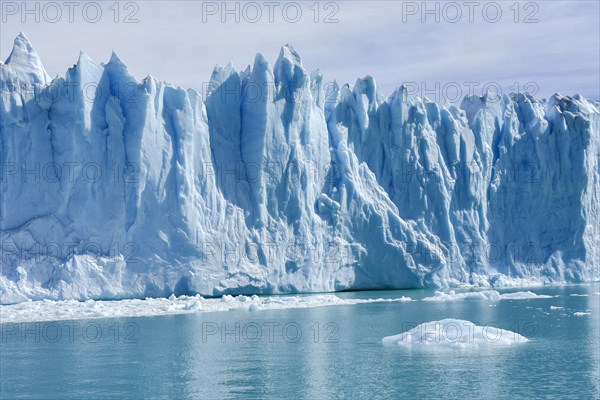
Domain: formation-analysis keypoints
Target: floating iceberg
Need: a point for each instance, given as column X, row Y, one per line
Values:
column 454, row 333
column 115, row 188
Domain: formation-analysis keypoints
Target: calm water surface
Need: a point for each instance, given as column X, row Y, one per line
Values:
column 317, row 353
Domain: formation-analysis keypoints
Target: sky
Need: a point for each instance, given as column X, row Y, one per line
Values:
column 439, row 49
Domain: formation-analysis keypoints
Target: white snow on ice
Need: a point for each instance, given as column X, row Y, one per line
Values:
column 454, row 333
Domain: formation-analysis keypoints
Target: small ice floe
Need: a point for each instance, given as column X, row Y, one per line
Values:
column 556, row 308
column 485, row 295
column 579, row 295
column 454, row 333
column 524, row 296
column 581, row 313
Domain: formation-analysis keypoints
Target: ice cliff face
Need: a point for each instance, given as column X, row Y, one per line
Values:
column 114, row 188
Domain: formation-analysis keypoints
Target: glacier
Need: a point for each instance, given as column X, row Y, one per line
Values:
column 275, row 182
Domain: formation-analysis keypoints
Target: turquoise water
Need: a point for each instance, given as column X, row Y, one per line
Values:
column 316, row 353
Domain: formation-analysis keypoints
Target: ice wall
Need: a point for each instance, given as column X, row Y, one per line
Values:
column 276, row 183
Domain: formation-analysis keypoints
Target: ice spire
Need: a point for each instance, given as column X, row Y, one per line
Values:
column 24, row 64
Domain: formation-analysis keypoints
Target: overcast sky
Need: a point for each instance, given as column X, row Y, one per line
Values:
column 543, row 46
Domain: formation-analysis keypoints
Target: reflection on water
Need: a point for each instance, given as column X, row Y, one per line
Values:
column 311, row 353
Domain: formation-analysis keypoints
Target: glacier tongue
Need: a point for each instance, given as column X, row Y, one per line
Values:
column 114, row 188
